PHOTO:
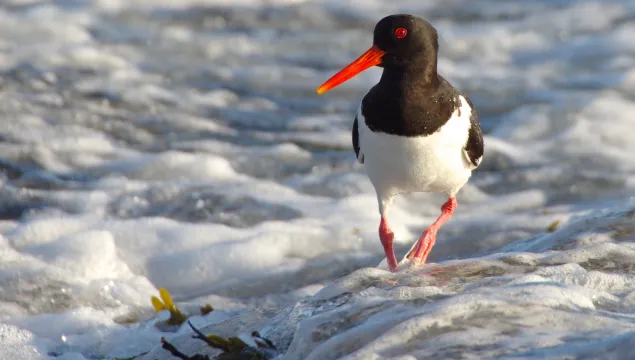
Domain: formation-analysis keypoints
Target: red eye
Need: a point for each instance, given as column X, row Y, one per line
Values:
column 401, row 33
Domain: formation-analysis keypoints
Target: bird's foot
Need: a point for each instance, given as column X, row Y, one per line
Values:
column 419, row 253
column 404, row 265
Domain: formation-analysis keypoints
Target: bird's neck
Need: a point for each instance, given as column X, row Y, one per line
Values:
column 420, row 73
column 409, row 101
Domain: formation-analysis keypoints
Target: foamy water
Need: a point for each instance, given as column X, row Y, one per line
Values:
column 152, row 143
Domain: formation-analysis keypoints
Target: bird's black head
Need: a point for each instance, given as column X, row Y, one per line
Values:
column 404, row 39
column 398, row 41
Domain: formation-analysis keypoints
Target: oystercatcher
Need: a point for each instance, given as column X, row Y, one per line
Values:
column 414, row 132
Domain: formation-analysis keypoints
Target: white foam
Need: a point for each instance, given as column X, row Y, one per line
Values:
column 18, row 343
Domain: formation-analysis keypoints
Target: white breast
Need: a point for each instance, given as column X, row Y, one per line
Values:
column 436, row 162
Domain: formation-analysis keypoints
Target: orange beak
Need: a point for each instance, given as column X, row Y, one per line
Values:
column 370, row 58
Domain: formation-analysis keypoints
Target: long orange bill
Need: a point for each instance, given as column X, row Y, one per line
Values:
column 370, row 58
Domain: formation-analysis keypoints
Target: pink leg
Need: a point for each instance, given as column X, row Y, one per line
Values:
column 427, row 240
column 387, row 236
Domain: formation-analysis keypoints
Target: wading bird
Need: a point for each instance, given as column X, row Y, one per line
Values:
column 414, row 132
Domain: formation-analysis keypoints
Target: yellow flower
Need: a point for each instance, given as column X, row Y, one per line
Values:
column 176, row 316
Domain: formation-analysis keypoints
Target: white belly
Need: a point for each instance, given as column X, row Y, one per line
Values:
column 437, row 162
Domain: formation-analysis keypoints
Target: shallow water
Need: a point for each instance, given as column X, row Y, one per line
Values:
column 156, row 144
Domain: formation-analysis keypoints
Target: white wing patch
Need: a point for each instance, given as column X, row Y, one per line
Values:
column 360, row 156
column 361, row 124
column 469, row 162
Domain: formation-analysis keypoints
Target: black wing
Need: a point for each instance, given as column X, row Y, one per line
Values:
column 474, row 146
column 358, row 154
